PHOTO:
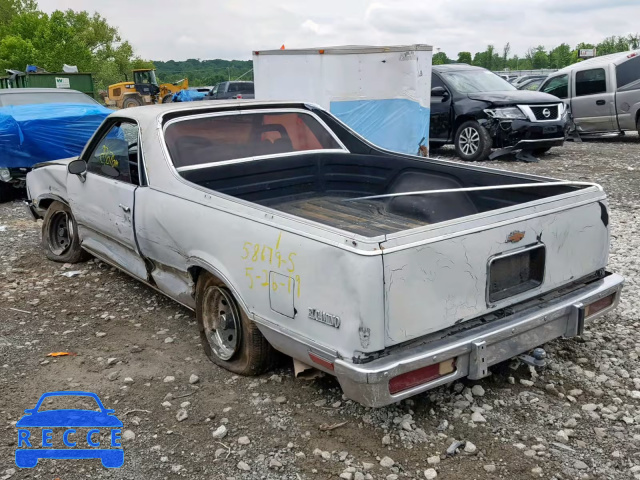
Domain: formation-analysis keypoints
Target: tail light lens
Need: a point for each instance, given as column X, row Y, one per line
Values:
column 421, row 376
column 599, row 305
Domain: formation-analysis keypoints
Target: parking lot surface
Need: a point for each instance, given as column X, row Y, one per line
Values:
column 185, row 418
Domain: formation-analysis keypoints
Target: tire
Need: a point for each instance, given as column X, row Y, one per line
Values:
column 167, row 98
column 473, row 143
column 540, row 151
column 60, row 238
column 7, row 192
column 239, row 347
column 132, row 101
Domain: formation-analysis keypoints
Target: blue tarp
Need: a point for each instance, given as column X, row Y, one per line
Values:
column 397, row 124
column 30, row 134
column 188, row 96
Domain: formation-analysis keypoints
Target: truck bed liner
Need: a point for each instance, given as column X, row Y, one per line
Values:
column 367, row 218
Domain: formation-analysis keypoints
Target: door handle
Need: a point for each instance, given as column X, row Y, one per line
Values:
column 600, row 102
column 125, row 208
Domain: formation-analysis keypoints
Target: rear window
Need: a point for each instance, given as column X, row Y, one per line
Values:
column 628, row 72
column 591, row 82
column 29, row 98
column 214, row 139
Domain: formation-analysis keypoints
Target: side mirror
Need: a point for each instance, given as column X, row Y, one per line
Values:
column 439, row 92
column 78, row 167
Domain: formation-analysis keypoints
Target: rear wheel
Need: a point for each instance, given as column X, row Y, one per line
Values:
column 167, row 98
column 230, row 339
column 60, row 238
column 133, row 101
column 473, row 142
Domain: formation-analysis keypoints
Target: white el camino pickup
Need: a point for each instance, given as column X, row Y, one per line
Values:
column 286, row 231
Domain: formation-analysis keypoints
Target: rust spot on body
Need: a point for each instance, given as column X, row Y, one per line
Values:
column 515, row 237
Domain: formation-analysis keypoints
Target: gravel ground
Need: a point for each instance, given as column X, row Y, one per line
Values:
column 185, row 418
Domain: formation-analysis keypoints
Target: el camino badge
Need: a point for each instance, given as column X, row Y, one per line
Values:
column 324, row 317
column 515, row 237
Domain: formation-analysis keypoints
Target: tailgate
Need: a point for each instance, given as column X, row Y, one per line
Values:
column 434, row 280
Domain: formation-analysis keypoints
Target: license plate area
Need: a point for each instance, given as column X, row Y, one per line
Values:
column 515, row 272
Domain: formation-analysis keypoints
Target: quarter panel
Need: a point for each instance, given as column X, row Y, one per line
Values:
column 178, row 233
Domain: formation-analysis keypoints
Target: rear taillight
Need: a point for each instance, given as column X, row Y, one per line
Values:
column 239, row 97
column 421, row 376
column 321, row 361
column 599, row 305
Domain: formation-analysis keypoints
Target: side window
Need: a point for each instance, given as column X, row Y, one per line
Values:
column 436, row 82
column 628, row 73
column 558, row 86
column 116, row 156
column 591, row 82
column 235, row 87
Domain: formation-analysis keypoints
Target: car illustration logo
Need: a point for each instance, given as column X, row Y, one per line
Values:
column 546, row 112
column 515, row 237
column 63, row 434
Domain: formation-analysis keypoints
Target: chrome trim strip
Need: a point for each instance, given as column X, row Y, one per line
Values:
column 260, row 157
column 511, row 253
column 526, row 109
column 555, row 139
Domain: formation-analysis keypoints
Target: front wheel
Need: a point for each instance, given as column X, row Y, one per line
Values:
column 60, row 238
column 132, row 101
column 230, row 339
column 473, row 142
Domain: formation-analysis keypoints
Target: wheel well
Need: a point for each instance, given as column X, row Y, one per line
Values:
column 459, row 121
column 194, row 274
column 45, row 203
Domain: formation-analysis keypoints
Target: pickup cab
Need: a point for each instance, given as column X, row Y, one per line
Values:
column 285, row 230
column 231, row 90
column 602, row 93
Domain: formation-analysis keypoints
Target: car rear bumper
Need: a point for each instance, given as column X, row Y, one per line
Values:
column 476, row 349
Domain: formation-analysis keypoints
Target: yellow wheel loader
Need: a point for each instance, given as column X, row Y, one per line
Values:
column 144, row 90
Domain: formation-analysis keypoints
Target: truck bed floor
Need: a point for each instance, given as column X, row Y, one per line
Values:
column 367, row 218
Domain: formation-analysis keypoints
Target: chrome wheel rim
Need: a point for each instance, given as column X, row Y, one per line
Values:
column 221, row 319
column 469, row 141
column 60, row 233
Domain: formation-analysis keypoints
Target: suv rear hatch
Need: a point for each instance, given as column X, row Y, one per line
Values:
column 448, row 273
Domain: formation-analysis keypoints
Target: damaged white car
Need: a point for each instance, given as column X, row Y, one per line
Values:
column 284, row 230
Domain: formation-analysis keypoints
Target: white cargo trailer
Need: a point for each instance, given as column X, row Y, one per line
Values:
column 383, row 93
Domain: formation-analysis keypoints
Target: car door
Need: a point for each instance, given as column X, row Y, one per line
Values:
column 440, row 121
column 628, row 92
column 593, row 101
column 102, row 199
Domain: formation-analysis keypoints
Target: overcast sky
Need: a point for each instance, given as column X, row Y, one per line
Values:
column 232, row 29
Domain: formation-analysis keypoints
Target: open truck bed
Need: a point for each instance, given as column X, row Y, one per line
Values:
column 321, row 187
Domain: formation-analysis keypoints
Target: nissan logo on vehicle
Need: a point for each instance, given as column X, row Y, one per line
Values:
column 546, row 112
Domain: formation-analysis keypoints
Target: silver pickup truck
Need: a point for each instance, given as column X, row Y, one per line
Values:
column 284, row 230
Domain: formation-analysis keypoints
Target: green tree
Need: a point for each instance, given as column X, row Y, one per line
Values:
column 540, row 58
column 464, row 57
column 561, row 56
column 505, row 54
column 440, row 58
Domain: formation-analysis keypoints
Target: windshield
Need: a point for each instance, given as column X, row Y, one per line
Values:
column 65, row 402
column 30, row 98
column 471, row 81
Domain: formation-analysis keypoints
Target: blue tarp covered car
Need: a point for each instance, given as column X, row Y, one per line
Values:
column 30, row 134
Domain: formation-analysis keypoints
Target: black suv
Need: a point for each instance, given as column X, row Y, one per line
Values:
column 476, row 110
column 231, row 90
